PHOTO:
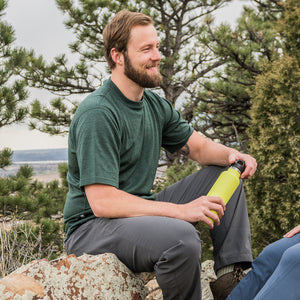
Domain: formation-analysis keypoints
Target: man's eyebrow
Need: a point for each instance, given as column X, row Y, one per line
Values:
column 150, row 44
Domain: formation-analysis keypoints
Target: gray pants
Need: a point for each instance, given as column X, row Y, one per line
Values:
column 170, row 247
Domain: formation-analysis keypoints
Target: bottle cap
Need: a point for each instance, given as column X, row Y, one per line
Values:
column 239, row 165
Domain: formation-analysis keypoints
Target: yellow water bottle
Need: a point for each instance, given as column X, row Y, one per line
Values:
column 227, row 182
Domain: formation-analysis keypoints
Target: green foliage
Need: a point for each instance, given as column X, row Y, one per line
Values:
column 54, row 120
column 275, row 142
column 220, row 108
column 182, row 64
column 288, row 27
column 31, row 200
column 38, row 208
column 13, row 91
column 273, row 193
column 27, row 206
column 5, row 157
column 63, row 170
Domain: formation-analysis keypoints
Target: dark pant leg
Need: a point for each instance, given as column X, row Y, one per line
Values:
column 169, row 247
column 231, row 239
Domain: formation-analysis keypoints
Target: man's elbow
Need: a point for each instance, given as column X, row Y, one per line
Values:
column 99, row 198
column 101, row 210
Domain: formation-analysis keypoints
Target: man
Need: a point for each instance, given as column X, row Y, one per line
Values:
column 114, row 147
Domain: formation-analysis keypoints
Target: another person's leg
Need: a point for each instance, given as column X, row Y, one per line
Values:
column 284, row 282
column 262, row 269
column 169, row 247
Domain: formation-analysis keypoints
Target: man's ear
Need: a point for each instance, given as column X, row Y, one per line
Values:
column 116, row 56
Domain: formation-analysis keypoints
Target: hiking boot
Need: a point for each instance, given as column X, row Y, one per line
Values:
column 223, row 286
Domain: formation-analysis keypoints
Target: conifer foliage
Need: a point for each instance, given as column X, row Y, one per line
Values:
column 13, row 91
column 274, row 192
column 27, row 207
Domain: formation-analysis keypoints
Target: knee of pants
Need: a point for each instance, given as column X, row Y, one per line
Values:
column 276, row 249
column 273, row 251
column 183, row 258
column 270, row 256
column 291, row 256
column 187, row 245
column 191, row 248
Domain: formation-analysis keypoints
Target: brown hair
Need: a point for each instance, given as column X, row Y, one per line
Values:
column 117, row 32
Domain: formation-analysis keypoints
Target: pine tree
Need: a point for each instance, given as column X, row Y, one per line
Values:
column 33, row 211
column 208, row 71
column 220, row 108
column 21, row 198
column 13, row 91
column 273, row 193
column 185, row 60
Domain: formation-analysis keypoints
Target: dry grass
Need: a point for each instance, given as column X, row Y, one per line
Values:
column 19, row 245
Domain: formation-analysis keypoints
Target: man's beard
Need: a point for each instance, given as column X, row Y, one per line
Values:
column 141, row 78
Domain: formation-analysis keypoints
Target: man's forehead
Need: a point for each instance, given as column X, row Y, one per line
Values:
column 143, row 34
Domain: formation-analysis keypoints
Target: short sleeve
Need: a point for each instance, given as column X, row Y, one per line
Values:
column 176, row 131
column 97, row 138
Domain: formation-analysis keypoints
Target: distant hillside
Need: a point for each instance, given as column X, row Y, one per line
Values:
column 40, row 155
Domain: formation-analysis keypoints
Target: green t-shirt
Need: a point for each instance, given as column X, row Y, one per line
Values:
column 116, row 141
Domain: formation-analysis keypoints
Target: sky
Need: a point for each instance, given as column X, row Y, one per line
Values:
column 38, row 25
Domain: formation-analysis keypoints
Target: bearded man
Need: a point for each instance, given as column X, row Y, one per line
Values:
column 115, row 140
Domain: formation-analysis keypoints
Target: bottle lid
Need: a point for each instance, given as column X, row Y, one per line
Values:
column 239, row 165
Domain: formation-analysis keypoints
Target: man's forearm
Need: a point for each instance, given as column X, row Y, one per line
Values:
column 207, row 152
column 110, row 202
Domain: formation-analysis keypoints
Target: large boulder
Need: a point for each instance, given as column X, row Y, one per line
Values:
column 101, row 277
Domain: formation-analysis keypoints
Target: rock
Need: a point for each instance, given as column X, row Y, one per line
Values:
column 207, row 275
column 12, row 285
column 101, row 277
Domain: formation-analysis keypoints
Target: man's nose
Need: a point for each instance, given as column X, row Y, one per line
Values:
column 156, row 54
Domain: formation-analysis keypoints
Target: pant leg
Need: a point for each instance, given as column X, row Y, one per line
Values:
column 262, row 269
column 231, row 239
column 284, row 282
column 169, row 247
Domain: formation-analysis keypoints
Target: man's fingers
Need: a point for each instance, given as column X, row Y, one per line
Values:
column 211, row 219
column 216, row 201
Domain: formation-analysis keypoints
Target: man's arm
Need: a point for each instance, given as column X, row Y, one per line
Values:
column 109, row 202
column 207, row 152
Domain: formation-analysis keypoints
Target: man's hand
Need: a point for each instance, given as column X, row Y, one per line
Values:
column 250, row 163
column 292, row 232
column 201, row 208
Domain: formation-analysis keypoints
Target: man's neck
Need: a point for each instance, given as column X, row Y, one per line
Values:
column 129, row 88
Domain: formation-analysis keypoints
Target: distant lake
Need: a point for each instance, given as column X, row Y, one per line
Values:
column 39, row 162
column 40, row 156
column 44, row 162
